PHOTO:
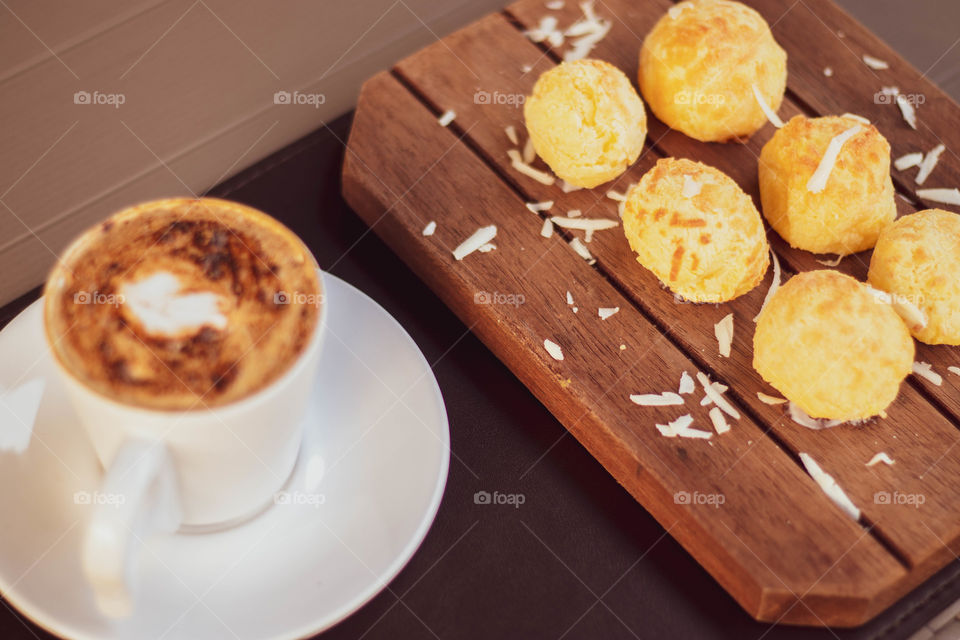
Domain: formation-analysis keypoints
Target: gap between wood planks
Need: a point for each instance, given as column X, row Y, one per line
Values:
column 870, row 527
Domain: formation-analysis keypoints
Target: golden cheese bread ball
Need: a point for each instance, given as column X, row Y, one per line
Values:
column 826, row 343
column 696, row 230
column 699, row 64
column 917, row 259
column 586, row 121
column 855, row 203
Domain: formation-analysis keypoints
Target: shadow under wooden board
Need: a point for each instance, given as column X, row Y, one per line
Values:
column 741, row 503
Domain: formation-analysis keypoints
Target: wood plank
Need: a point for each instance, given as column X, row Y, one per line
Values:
column 841, row 574
column 842, row 452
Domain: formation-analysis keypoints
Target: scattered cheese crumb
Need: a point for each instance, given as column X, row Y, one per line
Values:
column 553, row 349
column 767, row 110
column 447, row 117
column 547, row 229
column 574, row 213
column 486, row 248
column 929, row 163
column 716, row 396
column 537, row 207
column 723, row 330
column 430, row 228
column 575, row 309
column 606, row 312
column 569, row 298
column 830, row 487
column 665, row 399
column 908, row 161
column 828, row 71
column 818, row 181
column 480, row 237
column 623, row 347
column 945, row 196
column 511, row 132
column 880, row 457
column 686, row 384
column 567, row 187
column 554, row 5
column 720, row 423
column 691, row 187
column 875, row 63
column 771, row 400
column 774, row 284
column 925, row 370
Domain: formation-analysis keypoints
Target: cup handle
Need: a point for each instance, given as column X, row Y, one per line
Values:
column 137, row 498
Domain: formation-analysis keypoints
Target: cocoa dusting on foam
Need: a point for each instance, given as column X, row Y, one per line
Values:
column 220, row 304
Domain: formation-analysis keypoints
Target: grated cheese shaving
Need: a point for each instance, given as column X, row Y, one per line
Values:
column 430, row 228
column 616, row 196
column 911, row 314
column 681, row 427
column 585, row 224
column 830, row 263
column 581, row 249
column 907, row 161
column 853, row 116
column 529, row 153
column 720, row 388
column 929, row 163
column 511, row 132
column 486, row 248
column 567, row 187
column 606, row 312
column 724, row 332
column 830, row 487
column 447, row 117
column 574, row 213
column 540, row 176
column 554, row 5
column 687, row 385
column 875, row 63
column 569, row 298
column 514, row 155
column 954, row 370
column 546, row 30
column 925, row 370
column 800, row 416
column 588, row 31
column 480, row 237
column 537, row 207
column 907, row 110
column 774, row 284
column 767, row 110
column 547, row 229
column 945, row 196
column 716, row 396
column 818, row 181
column 880, row 457
column 665, row 399
column 771, row 400
column 720, row 424
column 691, row 187
column 553, row 349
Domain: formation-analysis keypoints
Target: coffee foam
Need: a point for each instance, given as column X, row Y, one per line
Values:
column 182, row 303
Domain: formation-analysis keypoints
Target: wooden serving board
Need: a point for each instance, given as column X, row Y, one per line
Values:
column 777, row 544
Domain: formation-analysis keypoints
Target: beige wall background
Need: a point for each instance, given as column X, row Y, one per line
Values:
column 108, row 102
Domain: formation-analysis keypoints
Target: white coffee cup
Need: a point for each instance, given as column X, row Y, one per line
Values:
column 196, row 470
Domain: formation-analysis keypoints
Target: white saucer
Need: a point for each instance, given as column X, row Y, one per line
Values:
column 365, row 491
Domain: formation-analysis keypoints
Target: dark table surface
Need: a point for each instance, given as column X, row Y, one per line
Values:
column 579, row 558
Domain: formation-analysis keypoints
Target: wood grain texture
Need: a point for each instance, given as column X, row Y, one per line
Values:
column 777, row 544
